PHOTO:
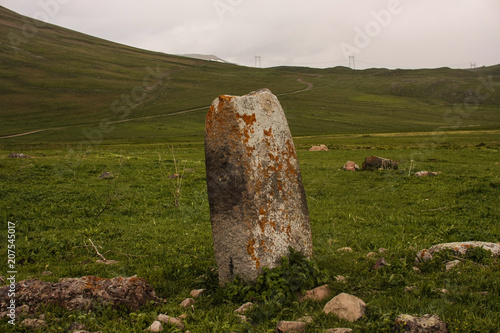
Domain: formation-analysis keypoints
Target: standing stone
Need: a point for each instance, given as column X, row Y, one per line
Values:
column 258, row 205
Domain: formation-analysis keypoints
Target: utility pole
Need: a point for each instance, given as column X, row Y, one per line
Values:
column 258, row 60
column 353, row 58
column 472, row 65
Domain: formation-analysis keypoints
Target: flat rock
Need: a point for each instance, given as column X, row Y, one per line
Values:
column 291, row 326
column 424, row 324
column 319, row 148
column 82, row 293
column 346, row 307
column 177, row 322
column 427, row 174
column 188, row 302
column 318, row 294
column 460, row 248
column 258, row 207
column 372, row 163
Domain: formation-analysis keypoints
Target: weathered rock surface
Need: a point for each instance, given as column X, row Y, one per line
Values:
column 460, row 248
column 318, row 294
column 258, row 206
column 424, row 324
column 346, row 307
column 81, row 294
column 319, row 148
column 350, row 166
column 291, row 326
column 372, row 163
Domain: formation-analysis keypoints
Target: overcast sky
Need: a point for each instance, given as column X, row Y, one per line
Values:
column 313, row 33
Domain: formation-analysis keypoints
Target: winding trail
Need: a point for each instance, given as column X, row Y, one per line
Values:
column 308, row 87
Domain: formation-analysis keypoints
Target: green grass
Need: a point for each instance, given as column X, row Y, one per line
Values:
column 56, row 204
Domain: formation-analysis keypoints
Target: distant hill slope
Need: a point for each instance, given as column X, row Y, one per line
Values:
column 68, row 86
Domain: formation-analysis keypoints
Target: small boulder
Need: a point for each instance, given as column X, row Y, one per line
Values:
column 291, row 326
column 372, row 163
column 424, row 324
column 346, row 307
column 197, row 293
column 460, row 248
column 350, row 166
column 170, row 321
column 155, row 327
column 317, row 294
column 319, row 148
column 188, row 302
column 244, row 308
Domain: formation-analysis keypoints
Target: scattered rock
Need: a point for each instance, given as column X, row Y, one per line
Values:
column 317, row 294
column 451, row 264
column 350, row 166
column 177, row 322
column 258, row 207
column 290, row 326
column 341, row 279
column 425, row 324
column 244, row 308
column 197, row 293
column 188, row 302
column 426, row 174
column 380, row 263
column 371, row 254
column 156, row 326
column 410, row 289
column 346, row 307
column 372, row 163
column 107, row 262
column 345, row 249
column 319, row 148
column 460, row 248
column 106, row 175
column 33, row 324
column 76, row 327
column 82, row 294
column 339, row 330
column 18, row 155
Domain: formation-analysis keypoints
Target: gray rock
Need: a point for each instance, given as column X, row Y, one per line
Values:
column 460, row 248
column 82, row 293
column 424, row 324
column 156, row 326
column 177, row 322
column 346, row 307
column 291, row 326
column 258, row 207
column 427, row 174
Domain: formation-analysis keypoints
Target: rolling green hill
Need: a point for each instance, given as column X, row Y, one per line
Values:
column 66, row 87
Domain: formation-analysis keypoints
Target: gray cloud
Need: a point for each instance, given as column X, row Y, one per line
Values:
column 315, row 33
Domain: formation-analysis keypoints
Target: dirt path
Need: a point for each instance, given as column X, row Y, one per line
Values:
column 308, row 87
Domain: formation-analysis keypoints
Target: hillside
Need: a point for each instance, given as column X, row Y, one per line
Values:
column 62, row 84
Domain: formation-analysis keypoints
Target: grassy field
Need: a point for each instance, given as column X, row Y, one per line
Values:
column 96, row 106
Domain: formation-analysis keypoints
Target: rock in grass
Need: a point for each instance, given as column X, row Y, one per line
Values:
column 290, row 326
column 381, row 263
column 426, row 174
column 350, row 166
column 197, row 293
column 177, row 322
column 373, row 163
column 188, row 302
column 424, row 324
column 258, row 207
column 82, row 294
column 18, row 155
column 460, row 248
column 318, row 294
column 244, row 308
column 319, row 148
column 156, row 326
column 33, row 324
column 339, row 330
column 105, row 175
column 346, row 307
